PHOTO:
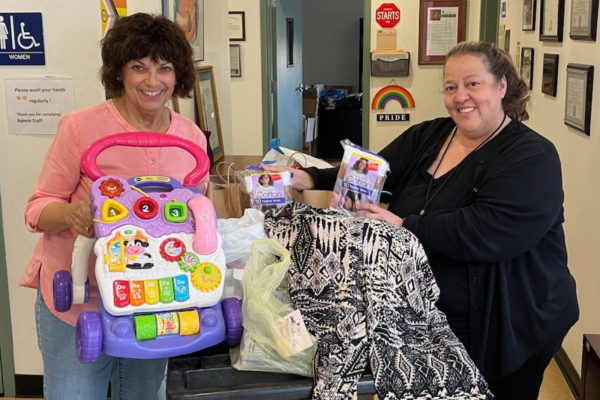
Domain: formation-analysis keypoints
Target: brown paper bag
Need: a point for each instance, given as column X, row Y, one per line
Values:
column 226, row 195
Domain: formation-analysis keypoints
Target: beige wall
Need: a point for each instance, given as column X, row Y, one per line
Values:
column 579, row 155
column 246, row 91
column 71, row 34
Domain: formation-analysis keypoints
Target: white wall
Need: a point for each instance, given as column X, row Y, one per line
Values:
column 71, row 34
column 579, row 156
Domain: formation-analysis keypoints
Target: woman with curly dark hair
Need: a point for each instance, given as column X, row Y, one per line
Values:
column 146, row 60
column 483, row 194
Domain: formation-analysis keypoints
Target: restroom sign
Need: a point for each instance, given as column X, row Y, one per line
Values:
column 21, row 39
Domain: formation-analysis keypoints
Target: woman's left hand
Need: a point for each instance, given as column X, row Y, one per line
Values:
column 376, row 212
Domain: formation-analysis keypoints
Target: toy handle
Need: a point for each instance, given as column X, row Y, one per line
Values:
column 145, row 139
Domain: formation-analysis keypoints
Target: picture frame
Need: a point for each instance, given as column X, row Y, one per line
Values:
column 235, row 60
column 528, row 17
column 550, row 74
column 237, row 26
column 584, row 20
column 189, row 15
column 527, row 66
column 578, row 99
column 208, row 109
column 173, row 104
column 442, row 25
column 552, row 14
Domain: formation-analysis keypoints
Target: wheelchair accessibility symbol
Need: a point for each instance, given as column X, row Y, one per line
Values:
column 21, row 39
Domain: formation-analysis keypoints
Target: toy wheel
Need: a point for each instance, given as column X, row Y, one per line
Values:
column 88, row 339
column 232, row 308
column 62, row 291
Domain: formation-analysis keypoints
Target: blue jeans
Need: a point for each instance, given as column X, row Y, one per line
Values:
column 65, row 378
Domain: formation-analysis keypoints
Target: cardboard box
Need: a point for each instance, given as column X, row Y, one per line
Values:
column 309, row 107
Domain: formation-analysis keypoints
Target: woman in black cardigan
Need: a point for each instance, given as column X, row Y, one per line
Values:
column 483, row 193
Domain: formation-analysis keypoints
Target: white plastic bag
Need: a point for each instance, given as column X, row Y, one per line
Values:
column 275, row 338
column 237, row 236
column 281, row 156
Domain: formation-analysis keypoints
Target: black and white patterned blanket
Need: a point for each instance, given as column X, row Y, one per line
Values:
column 365, row 290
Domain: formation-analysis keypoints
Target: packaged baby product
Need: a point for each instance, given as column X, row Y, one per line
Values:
column 267, row 190
column 360, row 179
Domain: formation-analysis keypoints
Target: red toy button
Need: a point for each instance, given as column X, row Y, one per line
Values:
column 145, row 208
column 121, row 293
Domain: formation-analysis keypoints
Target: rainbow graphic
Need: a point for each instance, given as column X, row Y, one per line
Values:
column 392, row 92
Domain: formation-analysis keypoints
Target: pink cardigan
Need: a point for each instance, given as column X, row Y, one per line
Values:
column 61, row 180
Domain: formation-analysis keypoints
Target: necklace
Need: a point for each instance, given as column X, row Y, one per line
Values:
column 480, row 145
column 129, row 120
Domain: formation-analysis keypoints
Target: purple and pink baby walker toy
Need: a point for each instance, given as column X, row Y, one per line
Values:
column 160, row 266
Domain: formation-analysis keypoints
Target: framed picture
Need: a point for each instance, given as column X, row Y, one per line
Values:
column 235, row 60
column 189, row 15
column 237, row 26
column 584, row 19
column 527, row 66
column 208, row 109
column 173, row 104
column 550, row 74
column 528, row 20
column 442, row 25
column 578, row 101
column 552, row 13
column 507, row 41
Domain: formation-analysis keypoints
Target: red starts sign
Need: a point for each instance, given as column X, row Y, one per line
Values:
column 387, row 15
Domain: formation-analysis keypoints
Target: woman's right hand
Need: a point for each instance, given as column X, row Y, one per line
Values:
column 301, row 180
column 80, row 218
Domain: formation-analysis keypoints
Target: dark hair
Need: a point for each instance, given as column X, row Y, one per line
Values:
column 260, row 181
column 498, row 63
column 357, row 164
column 144, row 35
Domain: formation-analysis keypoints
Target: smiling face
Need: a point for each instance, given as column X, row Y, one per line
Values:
column 473, row 96
column 148, row 85
column 362, row 165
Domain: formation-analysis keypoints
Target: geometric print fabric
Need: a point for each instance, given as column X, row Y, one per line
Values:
column 365, row 290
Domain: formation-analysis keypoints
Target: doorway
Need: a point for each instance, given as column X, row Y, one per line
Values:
column 279, row 94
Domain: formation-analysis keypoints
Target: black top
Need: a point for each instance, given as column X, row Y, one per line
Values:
column 508, row 234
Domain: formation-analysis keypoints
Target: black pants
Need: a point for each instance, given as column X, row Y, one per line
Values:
column 525, row 383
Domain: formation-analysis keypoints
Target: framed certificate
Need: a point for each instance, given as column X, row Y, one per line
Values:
column 208, row 109
column 237, row 26
column 235, row 60
column 578, row 101
column 528, row 20
column 551, row 20
column 584, row 19
column 442, row 25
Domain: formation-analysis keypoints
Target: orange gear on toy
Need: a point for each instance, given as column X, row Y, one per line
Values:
column 111, row 188
column 206, row 277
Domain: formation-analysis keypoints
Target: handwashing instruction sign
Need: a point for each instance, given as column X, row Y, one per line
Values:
column 21, row 39
column 35, row 105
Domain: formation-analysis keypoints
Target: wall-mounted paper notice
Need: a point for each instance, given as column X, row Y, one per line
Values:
column 34, row 105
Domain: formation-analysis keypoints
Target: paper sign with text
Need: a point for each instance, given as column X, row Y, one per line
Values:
column 34, row 106
column 293, row 334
